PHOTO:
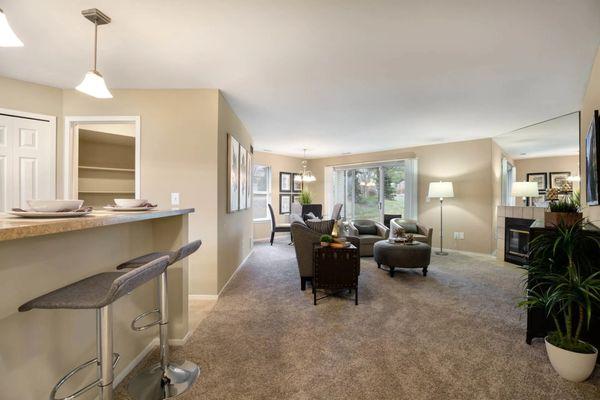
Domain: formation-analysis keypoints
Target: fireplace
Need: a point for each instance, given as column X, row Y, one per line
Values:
column 516, row 237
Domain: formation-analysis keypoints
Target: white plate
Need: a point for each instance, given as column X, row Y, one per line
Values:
column 37, row 214
column 54, row 205
column 111, row 208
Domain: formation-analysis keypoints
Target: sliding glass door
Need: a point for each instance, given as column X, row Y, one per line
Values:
column 371, row 191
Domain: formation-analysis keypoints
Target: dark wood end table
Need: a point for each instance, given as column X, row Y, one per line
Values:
column 335, row 269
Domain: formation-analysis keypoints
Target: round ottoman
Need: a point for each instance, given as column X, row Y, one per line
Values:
column 397, row 255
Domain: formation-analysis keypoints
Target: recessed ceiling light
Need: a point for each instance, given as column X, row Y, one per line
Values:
column 523, row 154
column 266, row 150
column 8, row 38
column 347, row 153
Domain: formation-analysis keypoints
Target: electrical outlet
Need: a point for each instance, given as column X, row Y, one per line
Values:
column 174, row 199
column 459, row 235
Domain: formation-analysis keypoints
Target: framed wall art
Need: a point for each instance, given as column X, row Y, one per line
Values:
column 559, row 179
column 285, row 203
column 233, row 169
column 541, row 178
column 285, row 182
column 297, row 182
column 243, row 178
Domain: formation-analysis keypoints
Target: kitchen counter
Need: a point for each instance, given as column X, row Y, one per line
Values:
column 41, row 255
column 13, row 227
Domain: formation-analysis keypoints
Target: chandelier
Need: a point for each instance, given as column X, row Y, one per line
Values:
column 306, row 175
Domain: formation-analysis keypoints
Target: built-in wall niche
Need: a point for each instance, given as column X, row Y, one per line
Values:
column 105, row 164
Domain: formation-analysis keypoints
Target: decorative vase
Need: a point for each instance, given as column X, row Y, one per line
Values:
column 572, row 366
column 324, row 244
column 552, row 219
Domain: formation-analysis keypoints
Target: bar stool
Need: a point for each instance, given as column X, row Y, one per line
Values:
column 165, row 379
column 97, row 292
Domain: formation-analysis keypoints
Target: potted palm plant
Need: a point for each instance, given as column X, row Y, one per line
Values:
column 563, row 279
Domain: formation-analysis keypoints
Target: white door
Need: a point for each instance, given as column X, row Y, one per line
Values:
column 27, row 161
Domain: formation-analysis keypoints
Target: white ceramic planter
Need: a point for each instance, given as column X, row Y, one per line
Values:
column 575, row 367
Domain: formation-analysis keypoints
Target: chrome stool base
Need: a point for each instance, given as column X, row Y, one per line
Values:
column 151, row 384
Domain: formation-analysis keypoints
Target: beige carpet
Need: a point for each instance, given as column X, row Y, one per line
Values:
column 455, row 334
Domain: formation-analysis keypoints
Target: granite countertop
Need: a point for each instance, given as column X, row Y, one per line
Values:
column 13, row 227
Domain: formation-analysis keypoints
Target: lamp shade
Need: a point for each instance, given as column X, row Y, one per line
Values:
column 524, row 189
column 93, row 84
column 441, row 189
column 7, row 36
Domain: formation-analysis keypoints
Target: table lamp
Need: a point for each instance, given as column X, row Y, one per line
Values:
column 441, row 190
column 525, row 190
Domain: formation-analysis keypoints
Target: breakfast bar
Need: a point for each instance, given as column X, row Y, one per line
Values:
column 40, row 255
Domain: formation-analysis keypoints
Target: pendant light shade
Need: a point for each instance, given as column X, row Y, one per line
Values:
column 7, row 35
column 93, row 83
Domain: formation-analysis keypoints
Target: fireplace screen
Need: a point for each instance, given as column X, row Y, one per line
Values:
column 516, row 246
column 518, row 242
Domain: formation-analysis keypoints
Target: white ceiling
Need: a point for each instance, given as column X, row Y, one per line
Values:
column 556, row 137
column 333, row 76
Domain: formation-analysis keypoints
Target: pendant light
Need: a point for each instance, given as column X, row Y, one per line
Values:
column 7, row 35
column 93, row 83
column 306, row 175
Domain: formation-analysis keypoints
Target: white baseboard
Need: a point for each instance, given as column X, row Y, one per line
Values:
column 203, row 296
column 235, row 272
column 138, row 359
column 181, row 342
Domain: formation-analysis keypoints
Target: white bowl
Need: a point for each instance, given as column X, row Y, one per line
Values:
column 54, row 205
column 130, row 203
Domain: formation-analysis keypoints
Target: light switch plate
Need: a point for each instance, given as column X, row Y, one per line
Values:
column 174, row 199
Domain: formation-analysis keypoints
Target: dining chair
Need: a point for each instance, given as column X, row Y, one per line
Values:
column 277, row 227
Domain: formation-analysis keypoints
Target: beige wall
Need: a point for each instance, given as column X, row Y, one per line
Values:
column 234, row 229
column 466, row 164
column 278, row 163
column 178, row 154
column 182, row 150
column 591, row 102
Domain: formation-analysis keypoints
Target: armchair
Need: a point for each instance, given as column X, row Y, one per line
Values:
column 368, row 232
column 420, row 232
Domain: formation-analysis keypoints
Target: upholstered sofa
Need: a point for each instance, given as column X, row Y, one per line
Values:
column 420, row 232
column 368, row 232
column 304, row 239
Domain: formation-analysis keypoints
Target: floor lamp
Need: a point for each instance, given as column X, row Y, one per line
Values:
column 441, row 190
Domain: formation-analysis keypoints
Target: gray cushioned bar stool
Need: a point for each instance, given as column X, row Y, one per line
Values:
column 98, row 292
column 165, row 379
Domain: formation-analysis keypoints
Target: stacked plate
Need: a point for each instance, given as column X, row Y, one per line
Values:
column 52, row 209
column 130, row 205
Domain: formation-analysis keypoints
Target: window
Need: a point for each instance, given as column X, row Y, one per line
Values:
column 261, row 192
column 372, row 191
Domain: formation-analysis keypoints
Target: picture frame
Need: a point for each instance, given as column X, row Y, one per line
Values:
column 296, row 198
column 297, row 185
column 592, row 162
column 558, row 179
column 285, row 181
column 243, row 178
column 285, row 203
column 233, row 173
column 249, row 179
column 541, row 178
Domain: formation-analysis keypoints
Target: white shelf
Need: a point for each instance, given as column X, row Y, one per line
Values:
column 106, row 169
column 106, row 192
